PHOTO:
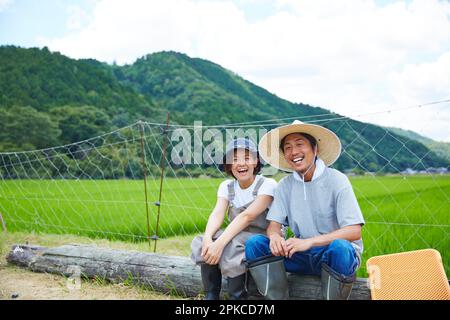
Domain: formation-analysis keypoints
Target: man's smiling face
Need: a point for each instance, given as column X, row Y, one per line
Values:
column 298, row 152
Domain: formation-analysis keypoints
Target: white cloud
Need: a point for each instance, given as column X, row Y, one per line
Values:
column 349, row 56
column 124, row 31
column 77, row 17
column 424, row 82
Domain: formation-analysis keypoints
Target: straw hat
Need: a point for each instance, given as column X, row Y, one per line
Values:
column 328, row 144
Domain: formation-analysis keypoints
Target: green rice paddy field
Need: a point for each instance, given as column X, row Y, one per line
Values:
column 402, row 213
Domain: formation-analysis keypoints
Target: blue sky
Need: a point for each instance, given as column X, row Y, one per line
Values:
column 22, row 21
column 351, row 56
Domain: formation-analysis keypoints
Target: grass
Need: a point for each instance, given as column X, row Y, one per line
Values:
column 402, row 213
column 114, row 209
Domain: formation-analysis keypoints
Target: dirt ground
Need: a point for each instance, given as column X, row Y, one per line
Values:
column 19, row 283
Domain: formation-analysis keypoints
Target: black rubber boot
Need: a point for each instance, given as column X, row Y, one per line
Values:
column 212, row 281
column 270, row 277
column 237, row 287
column 336, row 286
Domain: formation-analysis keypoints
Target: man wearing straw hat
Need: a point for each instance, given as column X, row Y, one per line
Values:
column 319, row 206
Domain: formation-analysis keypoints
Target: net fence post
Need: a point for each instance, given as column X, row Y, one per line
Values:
column 3, row 223
column 144, row 172
column 162, row 165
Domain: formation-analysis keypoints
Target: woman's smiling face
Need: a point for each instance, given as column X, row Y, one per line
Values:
column 243, row 165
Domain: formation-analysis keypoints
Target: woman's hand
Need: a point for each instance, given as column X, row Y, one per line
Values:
column 294, row 245
column 207, row 241
column 213, row 252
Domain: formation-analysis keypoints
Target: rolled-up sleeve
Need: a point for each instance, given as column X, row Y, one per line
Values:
column 348, row 210
column 279, row 211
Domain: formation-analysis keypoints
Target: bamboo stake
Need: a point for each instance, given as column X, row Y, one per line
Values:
column 162, row 165
column 144, row 170
column 3, row 223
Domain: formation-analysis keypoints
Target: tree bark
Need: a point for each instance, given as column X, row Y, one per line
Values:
column 166, row 274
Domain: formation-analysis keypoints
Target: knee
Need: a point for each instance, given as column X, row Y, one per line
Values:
column 341, row 257
column 255, row 245
column 341, row 247
column 255, row 240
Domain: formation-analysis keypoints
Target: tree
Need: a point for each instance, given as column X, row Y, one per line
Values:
column 27, row 128
column 80, row 123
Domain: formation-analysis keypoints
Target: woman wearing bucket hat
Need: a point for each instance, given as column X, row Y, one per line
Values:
column 319, row 206
column 246, row 198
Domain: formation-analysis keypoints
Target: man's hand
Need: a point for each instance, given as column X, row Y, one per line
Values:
column 213, row 252
column 278, row 245
column 294, row 245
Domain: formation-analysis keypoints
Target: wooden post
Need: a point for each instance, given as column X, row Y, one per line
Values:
column 162, row 165
column 3, row 223
column 144, row 170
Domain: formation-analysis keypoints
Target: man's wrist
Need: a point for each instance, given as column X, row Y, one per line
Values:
column 314, row 242
column 274, row 235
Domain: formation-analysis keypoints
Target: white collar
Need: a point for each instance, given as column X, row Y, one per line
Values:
column 320, row 168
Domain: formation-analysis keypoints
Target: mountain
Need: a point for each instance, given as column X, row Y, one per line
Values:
column 47, row 99
column 44, row 80
column 442, row 149
column 76, row 99
column 190, row 88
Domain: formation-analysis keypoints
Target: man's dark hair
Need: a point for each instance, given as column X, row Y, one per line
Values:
column 307, row 136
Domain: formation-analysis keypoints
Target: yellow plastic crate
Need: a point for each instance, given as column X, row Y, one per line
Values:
column 413, row 275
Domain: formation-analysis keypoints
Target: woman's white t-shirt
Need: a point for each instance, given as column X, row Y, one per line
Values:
column 244, row 196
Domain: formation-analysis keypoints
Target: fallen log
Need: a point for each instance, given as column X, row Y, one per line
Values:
column 161, row 273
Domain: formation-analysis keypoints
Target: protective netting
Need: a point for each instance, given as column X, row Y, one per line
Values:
column 96, row 187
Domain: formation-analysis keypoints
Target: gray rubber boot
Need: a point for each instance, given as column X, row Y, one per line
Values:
column 237, row 287
column 336, row 286
column 270, row 277
column 212, row 281
column 252, row 289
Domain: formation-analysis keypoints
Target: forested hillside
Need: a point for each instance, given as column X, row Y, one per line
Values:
column 48, row 99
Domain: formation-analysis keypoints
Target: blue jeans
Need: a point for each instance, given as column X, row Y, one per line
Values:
column 339, row 255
